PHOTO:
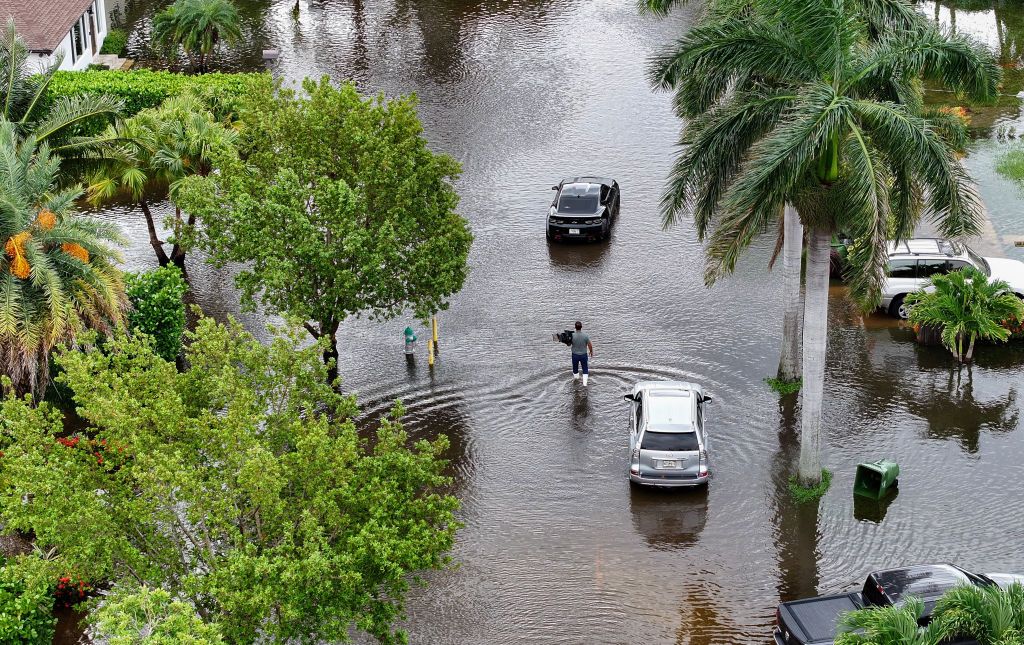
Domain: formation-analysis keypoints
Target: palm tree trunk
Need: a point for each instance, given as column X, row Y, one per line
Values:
column 815, row 343
column 154, row 240
column 178, row 251
column 792, row 303
column 970, row 348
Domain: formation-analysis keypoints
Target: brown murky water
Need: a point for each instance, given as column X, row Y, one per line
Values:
column 558, row 548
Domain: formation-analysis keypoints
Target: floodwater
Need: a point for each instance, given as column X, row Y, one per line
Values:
column 557, row 547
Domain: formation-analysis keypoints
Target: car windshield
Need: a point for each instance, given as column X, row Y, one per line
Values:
column 979, row 262
column 670, row 441
column 583, row 204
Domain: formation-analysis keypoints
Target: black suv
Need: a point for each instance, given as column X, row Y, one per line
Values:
column 584, row 209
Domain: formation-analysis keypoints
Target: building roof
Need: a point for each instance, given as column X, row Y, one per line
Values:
column 43, row 23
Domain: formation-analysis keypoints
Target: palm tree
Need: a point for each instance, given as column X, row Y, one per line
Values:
column 197, row 26
column 989, row 615
column 23, row 94
column 889, row 626
column 57, row 273
column 966, row 306
column 158, row 148
column 817, row 105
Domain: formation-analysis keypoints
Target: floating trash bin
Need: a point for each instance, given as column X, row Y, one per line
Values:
column 875, row 479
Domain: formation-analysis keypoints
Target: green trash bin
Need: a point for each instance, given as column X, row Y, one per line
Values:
column 876, row 478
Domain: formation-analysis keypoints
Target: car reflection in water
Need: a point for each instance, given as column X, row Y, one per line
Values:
column 669, row 518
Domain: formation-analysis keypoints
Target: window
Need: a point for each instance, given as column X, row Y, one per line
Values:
column 604, row 194
column 926, row 268
column 901, row 268
column 956, row 265
column 670, row 441
column 583, row 204
column 99, row 15
column 979, row 262
column 77, row 44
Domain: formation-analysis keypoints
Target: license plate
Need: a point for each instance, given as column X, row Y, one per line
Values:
column 668, row 463
column 574, row 231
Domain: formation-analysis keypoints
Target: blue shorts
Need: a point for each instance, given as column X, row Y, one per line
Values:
column 577, row 359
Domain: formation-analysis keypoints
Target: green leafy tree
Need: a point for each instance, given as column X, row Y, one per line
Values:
column 151, row 154
column 989, row 615
column 815, row 105
column 196, row 26
column 23, row 99
column 240, row 486
column 966, row 306
column 889, row 626
column 158, row 308
column 146, row 616
column 57, row 269
column 337, row 207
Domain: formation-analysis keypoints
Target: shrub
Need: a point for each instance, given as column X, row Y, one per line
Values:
column 144, row 615
column 803, row 495
column 158, row 307
column 116, row 42
column 146, row 88
column 25, row 611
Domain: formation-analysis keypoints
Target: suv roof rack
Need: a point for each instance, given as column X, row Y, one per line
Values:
column 926, row 246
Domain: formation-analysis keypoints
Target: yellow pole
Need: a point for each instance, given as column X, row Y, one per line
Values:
column 434, row 322
column 430, row 351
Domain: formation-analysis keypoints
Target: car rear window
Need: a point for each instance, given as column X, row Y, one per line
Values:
column 670, row 441
column 577, row 204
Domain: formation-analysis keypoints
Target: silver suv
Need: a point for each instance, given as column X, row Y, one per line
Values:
column 668, row 444
column 913, row 262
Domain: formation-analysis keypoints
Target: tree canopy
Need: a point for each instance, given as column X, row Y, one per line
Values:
column 336, row 206
column 240, row 486
column 198, row 27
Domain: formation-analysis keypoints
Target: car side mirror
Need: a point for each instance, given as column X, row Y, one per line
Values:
column 554, row 188
column 629, row 397
column 706, row 399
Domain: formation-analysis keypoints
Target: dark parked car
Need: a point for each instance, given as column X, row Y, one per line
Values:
column 815, row 621
column 584, row 208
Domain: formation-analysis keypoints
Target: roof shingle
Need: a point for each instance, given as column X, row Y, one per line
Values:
column 43, row 23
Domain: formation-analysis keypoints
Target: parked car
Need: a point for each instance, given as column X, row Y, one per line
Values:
column 913, row 262
column 668, row 441
column 815, row 621
column 584, row 208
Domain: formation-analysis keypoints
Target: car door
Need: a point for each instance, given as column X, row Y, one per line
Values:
column 615, row 200
column 927, row 267
column 634, row 424
column 900, row 277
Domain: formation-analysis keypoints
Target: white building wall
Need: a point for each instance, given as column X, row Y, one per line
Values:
column 72, row 59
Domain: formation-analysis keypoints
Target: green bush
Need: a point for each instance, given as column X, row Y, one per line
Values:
column 26, row 611
column 146, row 88
column 116, row 42
column 159, row 308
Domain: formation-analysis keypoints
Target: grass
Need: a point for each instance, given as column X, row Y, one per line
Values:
column 783, row 387
column 801, row 495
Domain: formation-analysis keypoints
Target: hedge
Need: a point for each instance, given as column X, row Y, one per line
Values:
column 146, row 88
column 115, row 43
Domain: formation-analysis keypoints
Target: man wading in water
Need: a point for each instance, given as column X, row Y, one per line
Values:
column 580, row 345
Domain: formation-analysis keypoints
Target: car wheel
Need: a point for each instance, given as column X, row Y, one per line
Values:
column 898, row 308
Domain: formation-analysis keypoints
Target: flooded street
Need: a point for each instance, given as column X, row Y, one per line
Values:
column 557, row 547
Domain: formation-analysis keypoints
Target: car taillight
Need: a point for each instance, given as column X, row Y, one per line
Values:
column 636, row 454
column 703, row 455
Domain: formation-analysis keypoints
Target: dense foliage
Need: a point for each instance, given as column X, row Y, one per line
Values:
column 145, row 616
column 197, row 27
column 57, row 269
column 337, row 207
column 158, row 308
column 115, row 42
column 140, row 89
column 25, row 610
column 987, row 615
column 966, row 306
column 241, row 487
